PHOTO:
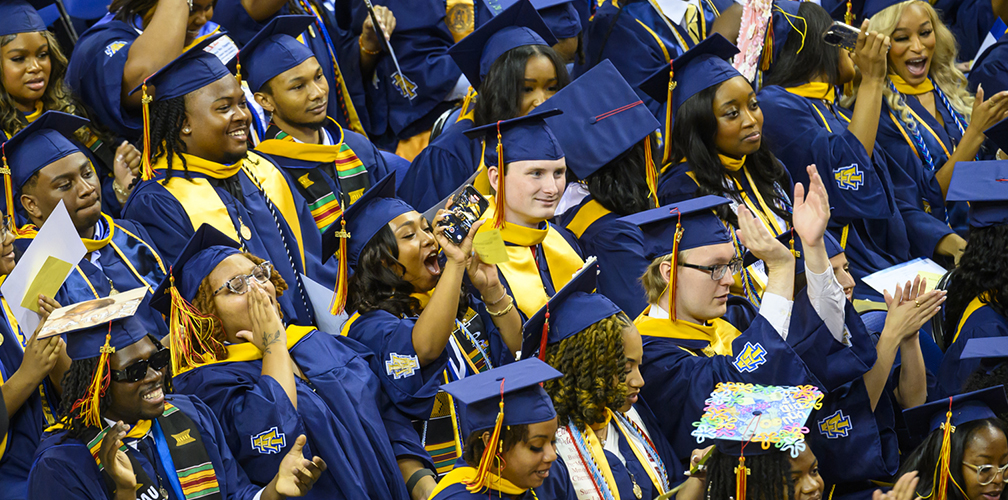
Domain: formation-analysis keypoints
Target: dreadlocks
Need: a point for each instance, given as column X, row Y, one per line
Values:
column 769, row 478
column 166, row 119
column 76, row 384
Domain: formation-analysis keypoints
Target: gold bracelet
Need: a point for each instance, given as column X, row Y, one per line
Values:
column 360, row 41
column 505, row 311
column 121, row 191
column 503, row 294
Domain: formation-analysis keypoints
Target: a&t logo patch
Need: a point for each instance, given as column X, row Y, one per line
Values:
column 849, row 178
column 835, row 426
column 114, row 47
column 269, row 442
column 404, row 85
column 752, row 357
column 400, row 366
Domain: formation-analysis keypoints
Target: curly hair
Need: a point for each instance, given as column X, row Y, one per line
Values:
column 927, row 456
column 510, row 436
column 204, row 303
column 982, row 272
column 166, row 119
column 594, row 368
column 693, row 137
column 984, row 378
column 943, row 71
column 500, row 92
column 621, row 185
column 769, row 478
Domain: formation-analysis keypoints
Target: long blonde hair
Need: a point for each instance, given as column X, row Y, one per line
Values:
column 947, row 78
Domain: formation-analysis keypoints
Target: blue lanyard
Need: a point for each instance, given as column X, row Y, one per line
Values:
column 166, row 460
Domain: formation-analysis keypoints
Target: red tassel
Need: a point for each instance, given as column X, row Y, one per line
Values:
column 545, row 336
column 341, row 290
column 741, row 476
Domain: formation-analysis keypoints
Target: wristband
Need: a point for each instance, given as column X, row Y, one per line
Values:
column 416, row 477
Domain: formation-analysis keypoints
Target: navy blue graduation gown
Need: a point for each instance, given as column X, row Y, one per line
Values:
column 865, row 217
column 969, row 21
column 441, row 167
column 66, row 469
column 340, row 408
column 978, row 321
column 990, row 69
column 29, row 422
column 336, row 50
column 619, row 248
column 169, row 225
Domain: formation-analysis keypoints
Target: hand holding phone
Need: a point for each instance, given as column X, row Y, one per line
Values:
column 842, row 35
column 466, row 208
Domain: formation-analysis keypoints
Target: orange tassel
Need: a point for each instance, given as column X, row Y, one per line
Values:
column 146, row 170
column 768, row 41
column 238, row 68
column 483, row 470
column 652, row 172
column 341, row 291
column 741, row 476
column 675, row 265
column 499, row 198
column 189, row 329
column 667, row 146
column 940, row 489
column 90, row 404
column 545, row 336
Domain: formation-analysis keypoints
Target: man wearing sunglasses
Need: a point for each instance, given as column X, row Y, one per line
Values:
column 123, row 437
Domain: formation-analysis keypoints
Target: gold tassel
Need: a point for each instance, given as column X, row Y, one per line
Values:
column 652, row 172
column 741, row 473
column 940, row 489
column 768, row 42
column 189, row 329
column 89, row 405
column 667, row 146
column 483, row 470
column 238, row 68
column 849, row 15
column 341, row 290
column 146, row 170
column 8, row 189
column 675, row 265
column 499, row 198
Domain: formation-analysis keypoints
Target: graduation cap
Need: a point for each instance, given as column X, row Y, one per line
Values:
column 102, row 341
column 673, row 228
column 872, row 7
column 603, row 118
column 192, row 70
column 791, row 240
column 985, row 348
column 504, row 396
column 984, row 184
column 357, row 226
column 21, row 17
column 560, row 16
column 569, row 311
column 699, row 68
column 998, row 134
column 747, row 420
column 518, row 139
column 949, row 413
column 41, row 143
column 274, row 50
column 516, row 26
column 188, row 328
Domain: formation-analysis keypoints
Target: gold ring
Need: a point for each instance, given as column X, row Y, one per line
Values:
column 916, row 303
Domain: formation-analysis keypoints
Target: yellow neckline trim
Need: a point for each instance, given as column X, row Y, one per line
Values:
column 974, row 304
column 199, row 165
column 37, row 113
column 730, row 163
column 814, row 90
column 247, row 351
column 905, row 88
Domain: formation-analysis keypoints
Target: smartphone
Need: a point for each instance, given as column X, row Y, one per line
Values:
column 842, row 35
column 467, row 207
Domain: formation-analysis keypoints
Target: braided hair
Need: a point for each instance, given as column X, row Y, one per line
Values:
column 769, row 478
column 166, row 119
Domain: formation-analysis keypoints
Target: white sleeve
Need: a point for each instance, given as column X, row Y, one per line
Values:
column 828, row 300
column 460, row 90
column 777, row 311
column 259, row 495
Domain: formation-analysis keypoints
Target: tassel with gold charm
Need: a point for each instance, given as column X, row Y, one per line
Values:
column 189, row 331
column 499, row 197
column 146, row 170
column 741, row 479
column 341, row 289
column 939, row 487
column 8, row 190
column 481, row 480
column 667, row 146
column 672, row 272
column 652, row 172
column 89, row 406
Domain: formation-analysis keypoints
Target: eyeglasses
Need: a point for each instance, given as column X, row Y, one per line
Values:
column 240, row 284
column 987, row 473
column 717, row 271
column 8, row 223
column 138, row 370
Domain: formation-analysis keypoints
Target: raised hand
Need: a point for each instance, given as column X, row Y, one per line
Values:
column 268, row 331
column 458, row 254
column 297, row 474
column 988, row 112
column 811, row 210
column 904, row 489
column 910, row 308
column 870, row 53
column 125, row 168
column 369, row 36
column 116, row 462
column 755, row 237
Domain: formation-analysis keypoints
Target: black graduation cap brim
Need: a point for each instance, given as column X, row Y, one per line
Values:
column 585, row 281
column 539, row 113
column 384, row 188
column 468, row 52
column 968, row 407
column 656, row 85
column 998, row 134
column 500, row 5
column 487, row 385
column 180, row 63
column 205, row 236
column 985, row 348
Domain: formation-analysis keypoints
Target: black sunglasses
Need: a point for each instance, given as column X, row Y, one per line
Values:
column 138, row 370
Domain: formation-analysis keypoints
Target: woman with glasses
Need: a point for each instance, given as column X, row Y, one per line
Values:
column 267, row 384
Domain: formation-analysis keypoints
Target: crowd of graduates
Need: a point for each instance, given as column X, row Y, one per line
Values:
column 523, row 249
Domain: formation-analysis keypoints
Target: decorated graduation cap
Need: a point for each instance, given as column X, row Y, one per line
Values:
column 518, row 139
column 274, row 50
column 357, row 226
column 747, row 420
column 603, row 118
column 791, row 240
column 505, row 396
column 568, row 312
column 699, row 68
column 20, row 17
column 771, row 23
column 188, row 328
column 560, row 16
column 984, row 184
column 192, row 70
column 516, row 26
column 673, row 228
column 41, row 143
column 101, row 341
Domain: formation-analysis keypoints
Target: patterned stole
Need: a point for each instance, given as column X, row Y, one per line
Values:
column 196, row 476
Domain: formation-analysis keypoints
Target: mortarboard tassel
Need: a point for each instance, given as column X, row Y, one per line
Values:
column 499, row 198
column 90, row 404
column 741, row 476
column 652, row 172
column 545, row 335
column 482, row 477
column 667, row 146
column 675, row 265
column 768, row 41
column 8, row 189
column 187, row 329
column 238, row 67
column 939, row 490
column 341, row 290
column 849, row 15
column 146, row 170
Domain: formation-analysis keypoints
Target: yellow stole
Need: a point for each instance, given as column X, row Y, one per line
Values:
column 464, row 475
column 718, row 333
column 586, row 216
column 730, row 163
column 247, row 351
column 814, row 90
column 974, row 304
column 521, row 272
column 905, row 88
